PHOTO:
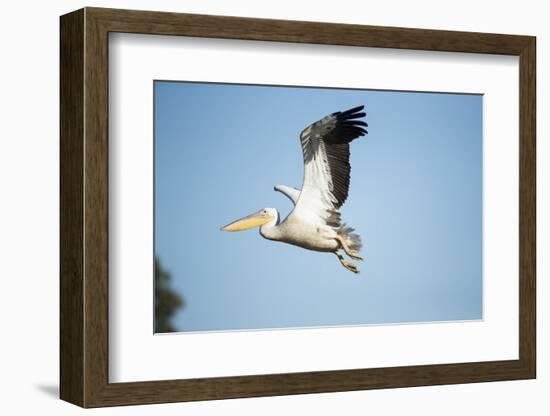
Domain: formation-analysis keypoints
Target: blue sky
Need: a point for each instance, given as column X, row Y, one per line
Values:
column 415, row 198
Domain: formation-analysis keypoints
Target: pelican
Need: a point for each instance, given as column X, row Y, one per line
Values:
column 315, row 222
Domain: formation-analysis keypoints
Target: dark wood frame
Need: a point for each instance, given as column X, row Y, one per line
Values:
column 84, row 207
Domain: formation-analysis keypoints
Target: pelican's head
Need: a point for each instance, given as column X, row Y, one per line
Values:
column 257, row 219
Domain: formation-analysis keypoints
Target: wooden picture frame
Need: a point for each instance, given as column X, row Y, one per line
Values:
column 84, row 207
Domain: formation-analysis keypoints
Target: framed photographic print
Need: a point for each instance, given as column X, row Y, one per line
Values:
column 398, row 249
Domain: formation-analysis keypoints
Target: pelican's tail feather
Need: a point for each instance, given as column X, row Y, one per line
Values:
column 352, row 239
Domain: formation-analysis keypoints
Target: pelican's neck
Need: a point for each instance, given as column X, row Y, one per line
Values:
column 270, row 230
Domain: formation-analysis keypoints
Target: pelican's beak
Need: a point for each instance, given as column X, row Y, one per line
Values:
column 253, row 220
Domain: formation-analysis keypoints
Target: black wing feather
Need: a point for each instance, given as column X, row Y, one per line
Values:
column 333, row 133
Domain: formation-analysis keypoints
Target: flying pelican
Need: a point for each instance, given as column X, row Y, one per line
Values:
column 315, row 222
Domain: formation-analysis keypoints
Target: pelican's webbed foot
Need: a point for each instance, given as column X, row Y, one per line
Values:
column 347, row 264
column 354, row 255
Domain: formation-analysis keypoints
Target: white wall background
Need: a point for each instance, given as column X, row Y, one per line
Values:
column 29, row 206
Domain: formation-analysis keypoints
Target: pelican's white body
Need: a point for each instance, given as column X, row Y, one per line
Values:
column 302, row 233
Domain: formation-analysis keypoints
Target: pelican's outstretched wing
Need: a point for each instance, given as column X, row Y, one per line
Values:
column 325, row 145
column 291, row 193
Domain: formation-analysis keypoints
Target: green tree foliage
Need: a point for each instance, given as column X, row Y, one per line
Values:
column 167, row 301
